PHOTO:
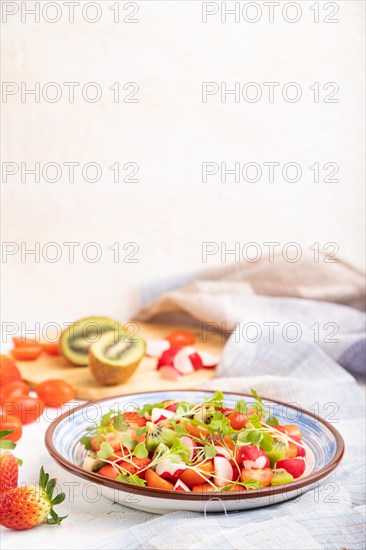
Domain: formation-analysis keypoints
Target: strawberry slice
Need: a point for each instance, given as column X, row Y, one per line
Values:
column 294, row 466
column 254, row 457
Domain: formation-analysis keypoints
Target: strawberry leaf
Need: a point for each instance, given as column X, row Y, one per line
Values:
column 58, row 499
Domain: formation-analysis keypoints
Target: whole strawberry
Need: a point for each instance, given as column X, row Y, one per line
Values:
column 30, row 505
column 8, row 463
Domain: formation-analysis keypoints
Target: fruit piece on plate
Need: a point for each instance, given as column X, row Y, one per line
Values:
column 22, row 341
column 157, row 482
column 30, row 505
column 8, row 371
column 182, row 361
column 223, row 471
column 77, row 338
column 181, row 338
column 169, row 373
column 198, row 476
column 300, row 450
column 203, row 488
column 291, row 430
column 281, row 477
column 55, row 392
column 170, row 467
column 160, row 414
column 180, row 486
column 263, row 476
column 294, row 466
column 155, row 434
column 109, row 471
column 27, row 353
column 278, row 452
column 156, row 347
column 254, row 457
column 190, row 443
column 209, row 361
column 114, row 359
column 133, row 419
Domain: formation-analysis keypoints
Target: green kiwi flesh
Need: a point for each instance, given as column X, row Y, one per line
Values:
column 115, row 357
column 77, row 338
column 281, row 477
column 156, row 434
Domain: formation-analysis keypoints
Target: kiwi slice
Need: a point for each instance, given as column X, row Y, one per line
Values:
column 156, row 434
column 161, row 449
column 77, row 338
column 278, row 452
column 281, row 477
column 115, row 357
column 205, row 414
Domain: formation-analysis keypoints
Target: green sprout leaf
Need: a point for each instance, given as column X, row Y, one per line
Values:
column 133, row 479
column 209, row 451
column 106, row 450
column 140, row 431
column 87, row 442
column 241, row 406
column 118, row 423
column 140, row 450
column 272, row 421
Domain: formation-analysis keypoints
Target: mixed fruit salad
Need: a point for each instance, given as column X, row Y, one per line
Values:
column 199, row 447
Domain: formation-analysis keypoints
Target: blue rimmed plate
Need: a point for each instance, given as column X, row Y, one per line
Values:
column 324, row 451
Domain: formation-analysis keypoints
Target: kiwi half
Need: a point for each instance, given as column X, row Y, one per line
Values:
column 156, row 434
column 77, row 338
column 115, row 357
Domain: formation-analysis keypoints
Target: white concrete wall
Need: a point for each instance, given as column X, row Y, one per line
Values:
column 169, row 133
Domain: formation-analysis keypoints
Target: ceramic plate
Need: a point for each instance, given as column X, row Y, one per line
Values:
column 324, row 451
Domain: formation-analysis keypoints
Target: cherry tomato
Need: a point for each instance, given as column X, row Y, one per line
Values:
column 181, row 338
column 9, row 422
column 55, row 392
column 21, row 342
column 26, row 353
column 25, row 407
column 13, row 389
column 51, row 348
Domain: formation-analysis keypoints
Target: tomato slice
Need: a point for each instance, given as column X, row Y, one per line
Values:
column 8, row 422
column 181, row 338
column 51, row 348
column 13, row 389
column 26, row 353
column 21, row 342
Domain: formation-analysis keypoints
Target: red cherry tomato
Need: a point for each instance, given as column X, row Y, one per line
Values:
column 181, row 338
column 21, row 342
column 55, row 392
column 26, row 353
column 13, row 389
column 51, row 348
column 24, row 407
column 9, row 422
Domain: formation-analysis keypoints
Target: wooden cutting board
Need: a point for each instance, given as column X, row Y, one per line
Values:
column 145, row 378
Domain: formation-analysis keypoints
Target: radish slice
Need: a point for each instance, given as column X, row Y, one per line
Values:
column 155, row 348
column 223, row 471
column 160, row 414
column 169, row 373
column 209, row 361
column 170, row 467
column 180, row 486
column 167, row 358
column 182, row 361
column 196, row 361
column 221, row 451
column 190, row 443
